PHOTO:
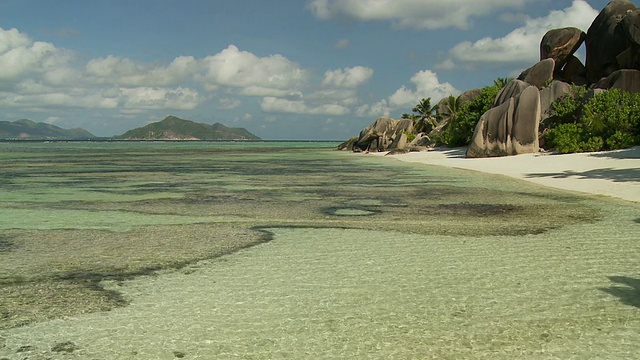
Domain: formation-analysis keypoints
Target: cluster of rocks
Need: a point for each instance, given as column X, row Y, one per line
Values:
column 512, row 125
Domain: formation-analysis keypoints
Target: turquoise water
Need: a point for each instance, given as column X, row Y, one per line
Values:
column 292, row 250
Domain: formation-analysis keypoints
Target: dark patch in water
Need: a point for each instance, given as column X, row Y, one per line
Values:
column 6, row 245
column 65, row 347
column 637, row 220
column 480, row 209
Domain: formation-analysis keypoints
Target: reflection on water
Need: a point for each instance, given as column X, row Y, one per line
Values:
column 263, row 250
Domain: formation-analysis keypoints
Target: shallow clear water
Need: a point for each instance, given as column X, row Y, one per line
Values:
column 268, row 250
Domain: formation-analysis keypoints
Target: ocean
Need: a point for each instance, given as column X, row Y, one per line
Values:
column 265, row 250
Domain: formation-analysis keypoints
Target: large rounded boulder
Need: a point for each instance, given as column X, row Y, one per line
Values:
column 604, row 43
column 561, row 44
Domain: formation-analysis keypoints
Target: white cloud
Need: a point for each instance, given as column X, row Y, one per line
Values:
column 341, row 96
column 126, row 72
column 342, row 44
column 522, row 45
column 160, row 98
column 21, row 58
column 58, row 99
column 419, row 14
column 38, row 75
column 426, row 85
column 277, row 105
column 242, row 69
column 376, row 110
column 347, row 77
column 228, row 104
column 11, row 39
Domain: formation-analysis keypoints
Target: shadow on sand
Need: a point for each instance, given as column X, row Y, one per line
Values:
column 616, row 175
column 626, row 289
column 632, row 153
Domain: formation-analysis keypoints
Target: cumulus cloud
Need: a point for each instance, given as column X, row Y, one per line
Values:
column 278, row 105
column 380, row 108
column 419, row 14
column 126, row 72
column 38, row 75
column 160, row 98
column 347, row 77
column 241, row 69
column 426, row 85
column 228, row 104
column 521, row 46
column 20, row 57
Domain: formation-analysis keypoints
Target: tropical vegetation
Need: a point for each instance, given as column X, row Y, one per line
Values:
column 608, row 120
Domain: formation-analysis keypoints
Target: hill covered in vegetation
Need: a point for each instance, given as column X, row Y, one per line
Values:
column 27, row 129
column 173, row 128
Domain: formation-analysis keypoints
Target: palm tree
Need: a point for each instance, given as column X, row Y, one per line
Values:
column 426, row 119
column 412, row 117
column 452, row 108
column 501, row 82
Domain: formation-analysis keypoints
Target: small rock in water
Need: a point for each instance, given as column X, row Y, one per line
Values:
column 66, row 346
column 179, row 354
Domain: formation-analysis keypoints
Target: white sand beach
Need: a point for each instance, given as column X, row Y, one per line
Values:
column 610, row 173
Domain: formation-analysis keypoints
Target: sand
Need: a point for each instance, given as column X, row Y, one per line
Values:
column 610, row 173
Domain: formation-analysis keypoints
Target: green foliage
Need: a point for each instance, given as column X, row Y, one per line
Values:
column 461, row 127
column 568, row 108
column 424, row 119
column 410, row 136
column 501, row 82
column 609, row 120
column 571, row 138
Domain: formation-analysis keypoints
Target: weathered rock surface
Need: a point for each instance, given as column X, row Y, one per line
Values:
column 549, row 94
column 539, row 73
column 604, row 42
column 561, row 44
column 513, row 88
column 509, row 129
column 383, row 134
column 628, row 80
column 512, row 125
column 573, row 72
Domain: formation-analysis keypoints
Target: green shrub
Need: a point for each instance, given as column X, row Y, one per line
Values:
column 609, row 120
column 571, row 138
column 410, row 136
column 460, row 129
column 565, row 138
column 567, row 109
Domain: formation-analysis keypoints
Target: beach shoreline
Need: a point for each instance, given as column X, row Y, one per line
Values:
column 609, row 173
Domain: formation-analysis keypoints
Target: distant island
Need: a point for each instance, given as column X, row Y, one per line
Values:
column 26, row 129
column 171, row 128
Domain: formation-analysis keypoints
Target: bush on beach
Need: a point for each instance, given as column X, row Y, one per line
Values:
column 609, row 120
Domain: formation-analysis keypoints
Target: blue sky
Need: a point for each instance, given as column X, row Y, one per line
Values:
column 283, row 69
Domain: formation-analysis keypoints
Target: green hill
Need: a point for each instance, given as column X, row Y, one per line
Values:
column 173, row 128
column 27, row 129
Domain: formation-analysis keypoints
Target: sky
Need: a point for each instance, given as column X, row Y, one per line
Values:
column 282, row 69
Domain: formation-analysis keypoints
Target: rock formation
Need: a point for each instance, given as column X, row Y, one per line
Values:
column 561, row 44
column 605, row 42
column 512, row 125
column 510, row 128
column 381, row 135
